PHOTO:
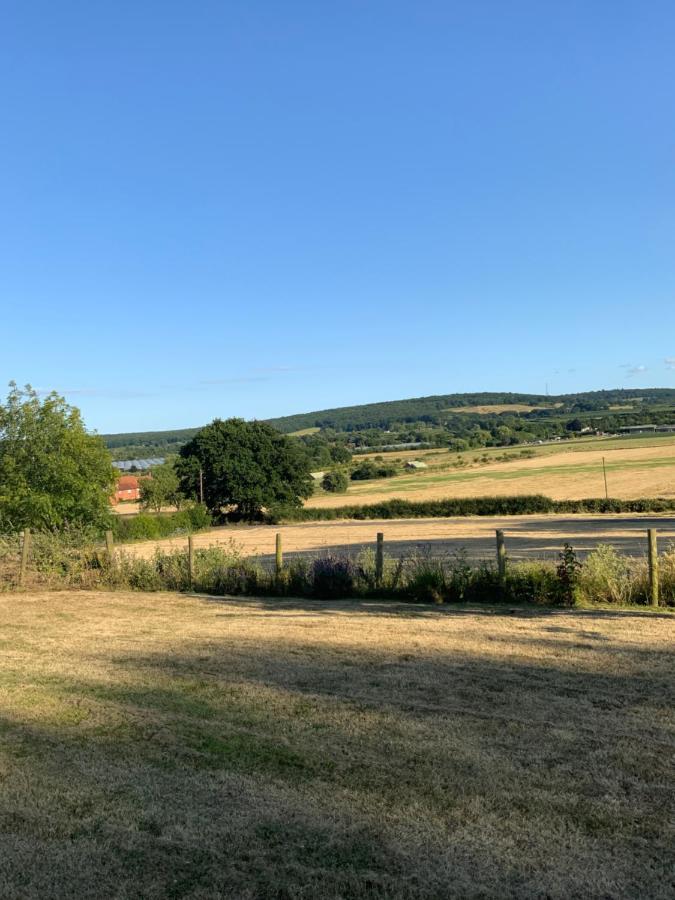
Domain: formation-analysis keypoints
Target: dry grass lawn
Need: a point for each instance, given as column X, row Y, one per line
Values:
column 158, row 746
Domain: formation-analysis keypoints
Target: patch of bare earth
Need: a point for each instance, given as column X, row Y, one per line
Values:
column 168, row 746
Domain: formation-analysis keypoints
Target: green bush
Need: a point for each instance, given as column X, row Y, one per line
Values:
column 336, row 482
column 607, row 577
column 369, row 469
column 425, row 580
column 469, row 506
column 145, row 526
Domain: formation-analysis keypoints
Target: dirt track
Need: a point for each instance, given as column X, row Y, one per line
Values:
column 527, row 537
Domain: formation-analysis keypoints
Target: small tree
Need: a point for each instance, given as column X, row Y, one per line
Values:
column 53, row 472
column 161, row 488
column 336, row 482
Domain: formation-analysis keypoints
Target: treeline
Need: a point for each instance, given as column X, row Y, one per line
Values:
column 435, row 421
column 434, row 409
column 473, row 506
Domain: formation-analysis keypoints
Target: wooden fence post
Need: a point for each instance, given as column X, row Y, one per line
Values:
column 279, row 559
column 653, row 567
column 109, row 545
column 25, row 552
column 379, row 559
column 501, row 557
column 191, row 560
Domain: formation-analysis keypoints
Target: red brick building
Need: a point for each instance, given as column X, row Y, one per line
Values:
column 127, row 488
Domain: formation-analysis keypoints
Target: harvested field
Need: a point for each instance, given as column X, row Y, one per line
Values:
column 563, row 474
column 167, row 746
column 527, row 537
column 498, row 408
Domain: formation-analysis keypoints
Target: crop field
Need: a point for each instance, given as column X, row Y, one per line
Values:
column 498, row 408
column 171, row 746
column 527, row 537
column 635, row 468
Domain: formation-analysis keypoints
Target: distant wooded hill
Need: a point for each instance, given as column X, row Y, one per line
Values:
column 442, row 410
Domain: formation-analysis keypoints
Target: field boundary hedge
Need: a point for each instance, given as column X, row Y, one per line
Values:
column 474, row 506
column 152, row 527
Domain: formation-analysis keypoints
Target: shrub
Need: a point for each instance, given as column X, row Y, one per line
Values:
column 606, row 577
column 145, row 526
column 370, row 469
column 336, row 482
column 567, row 573
column 532, row 582
column 333, row 577
column 425, row 580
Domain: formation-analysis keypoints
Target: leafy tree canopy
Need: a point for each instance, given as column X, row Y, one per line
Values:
column 53, row 473
column 161, row 488
column 245, row 467
column 336, row 481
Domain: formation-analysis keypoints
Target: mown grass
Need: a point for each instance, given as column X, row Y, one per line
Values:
column 165, row 746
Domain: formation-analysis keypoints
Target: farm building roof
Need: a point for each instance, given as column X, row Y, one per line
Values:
column 141, row 464
column 127, row 483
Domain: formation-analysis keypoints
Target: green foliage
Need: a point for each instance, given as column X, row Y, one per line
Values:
column 568, row 571
column 605, row 577
column 161, row 488
column 78, row 558
column 53, row 473
column 521, row 504
column 246, row 467
column 335, row 482
column 143, row 527
column 369, row 469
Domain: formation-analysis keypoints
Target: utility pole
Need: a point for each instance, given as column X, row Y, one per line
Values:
column 201, row 485
column 604, row 472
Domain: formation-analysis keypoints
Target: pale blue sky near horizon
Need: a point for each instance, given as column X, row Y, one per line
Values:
column 259, row 208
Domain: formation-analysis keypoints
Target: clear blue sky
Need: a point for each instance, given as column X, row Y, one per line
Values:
column 257, row 208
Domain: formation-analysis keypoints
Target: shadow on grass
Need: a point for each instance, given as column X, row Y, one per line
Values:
column 289, row 769
column 288, row 606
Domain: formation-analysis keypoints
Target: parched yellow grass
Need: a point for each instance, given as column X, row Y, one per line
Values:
column 534, row 536
column 168, row 746
column 632, row 472
column 498, row 408
column 304, row 432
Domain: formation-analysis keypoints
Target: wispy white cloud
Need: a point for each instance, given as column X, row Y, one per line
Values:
column 633, row 371
column 670, row 362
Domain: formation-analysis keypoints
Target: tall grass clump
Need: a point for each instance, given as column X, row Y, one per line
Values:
column 606, row 577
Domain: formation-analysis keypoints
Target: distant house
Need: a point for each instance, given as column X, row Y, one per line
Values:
column 415, row 464
column 127, row 489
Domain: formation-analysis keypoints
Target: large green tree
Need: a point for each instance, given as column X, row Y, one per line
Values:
column 244, row 467
column 53, row 472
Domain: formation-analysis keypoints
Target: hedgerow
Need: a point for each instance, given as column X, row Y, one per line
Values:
column 146, row 526
column 471, row 506
column 58, row 562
